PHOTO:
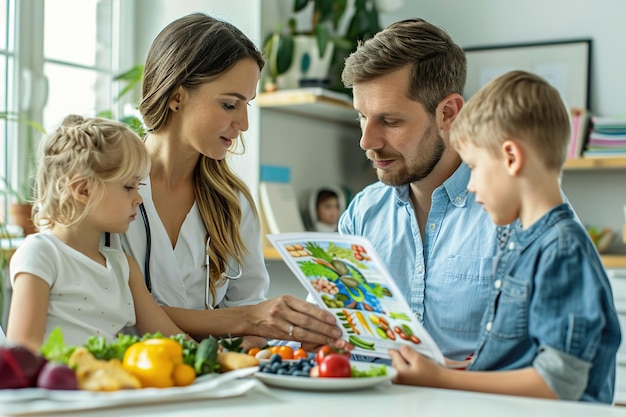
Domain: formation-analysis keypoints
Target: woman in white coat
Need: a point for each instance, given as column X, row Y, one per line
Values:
column 198, row 237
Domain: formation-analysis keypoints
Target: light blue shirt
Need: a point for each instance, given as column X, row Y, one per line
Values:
column 446, row 279
column 552, row 308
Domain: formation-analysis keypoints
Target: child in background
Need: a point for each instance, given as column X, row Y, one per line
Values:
column 551, row 329
column 325, row 206
column 87, row 184
column 327, row 210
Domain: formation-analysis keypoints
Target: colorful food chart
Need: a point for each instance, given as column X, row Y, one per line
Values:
column 345, row 275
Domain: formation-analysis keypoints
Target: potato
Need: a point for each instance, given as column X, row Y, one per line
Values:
column 229, row 361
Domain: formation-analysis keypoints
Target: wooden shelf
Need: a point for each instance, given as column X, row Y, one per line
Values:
column 614, row 261
column 595, row 163
column 311, row 102
column 271, row 254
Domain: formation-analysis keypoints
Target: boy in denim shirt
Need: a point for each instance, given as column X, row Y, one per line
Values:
column 551, row 329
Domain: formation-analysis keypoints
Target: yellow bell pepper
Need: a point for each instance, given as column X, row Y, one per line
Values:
column 153, row 361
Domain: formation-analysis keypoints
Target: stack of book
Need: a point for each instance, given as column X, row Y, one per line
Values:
column 579, row 119
column 607, row 138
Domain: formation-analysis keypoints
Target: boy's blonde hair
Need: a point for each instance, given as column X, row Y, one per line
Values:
column 94, row 149
column 516, row 105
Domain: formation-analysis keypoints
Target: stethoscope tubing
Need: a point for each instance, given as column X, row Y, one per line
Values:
column 146, row 265
column 148, row 279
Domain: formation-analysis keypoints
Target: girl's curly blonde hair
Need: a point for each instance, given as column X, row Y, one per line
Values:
column 83, row 148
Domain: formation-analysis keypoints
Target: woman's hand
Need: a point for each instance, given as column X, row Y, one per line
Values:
column 291, row 318
column 253, row 341
column 414, row 368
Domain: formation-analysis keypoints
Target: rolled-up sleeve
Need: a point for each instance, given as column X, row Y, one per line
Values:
column 566, row 375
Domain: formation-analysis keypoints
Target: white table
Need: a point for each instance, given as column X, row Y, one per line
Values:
column 388, row 400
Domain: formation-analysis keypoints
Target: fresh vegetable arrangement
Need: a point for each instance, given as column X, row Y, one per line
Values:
column 329, row 362
column 151, row 360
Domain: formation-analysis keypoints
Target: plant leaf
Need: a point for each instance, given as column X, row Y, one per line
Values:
column 324, row 10
column 284, row 53
column 299, row 5
column 132, row 77
column 322, row 35
column 339, row 8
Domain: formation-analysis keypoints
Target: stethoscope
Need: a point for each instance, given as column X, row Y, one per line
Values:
column 207, row 298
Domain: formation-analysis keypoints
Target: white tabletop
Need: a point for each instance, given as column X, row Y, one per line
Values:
column 387, row 400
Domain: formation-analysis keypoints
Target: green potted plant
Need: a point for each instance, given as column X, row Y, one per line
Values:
column 331, row 28
column 132, row 79
column 20, row 194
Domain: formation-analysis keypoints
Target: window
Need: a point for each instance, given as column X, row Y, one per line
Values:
column 56, row 57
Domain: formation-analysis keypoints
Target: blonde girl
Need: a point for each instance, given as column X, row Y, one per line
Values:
column 87, row 183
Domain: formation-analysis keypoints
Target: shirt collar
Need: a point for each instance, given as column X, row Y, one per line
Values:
column 525, row 237
column 455, row 187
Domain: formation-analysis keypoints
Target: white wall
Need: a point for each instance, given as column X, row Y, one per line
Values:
column 493, row 22
column 599, row 197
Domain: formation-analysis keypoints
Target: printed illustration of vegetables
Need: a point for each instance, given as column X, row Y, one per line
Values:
column 360, row 253
column 360, row 343
column 332, row 302
column 382, row 326
column 345, row 253
column 325, row 286
column 399, row 316
column 328, row 263
column 346, row 317
column 296, row 250
column 364, row 322
column 406, row 333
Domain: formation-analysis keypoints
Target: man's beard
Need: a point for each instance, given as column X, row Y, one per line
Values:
column 417, row 167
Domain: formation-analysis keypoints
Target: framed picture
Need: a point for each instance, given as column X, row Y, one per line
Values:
column 564, row 64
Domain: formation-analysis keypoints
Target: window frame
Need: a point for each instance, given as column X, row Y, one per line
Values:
column 25, row 28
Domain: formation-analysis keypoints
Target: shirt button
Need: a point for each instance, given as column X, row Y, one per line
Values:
column 458, row 199
column 497, row 284
column 511, row 245
column 488, row 326
column 433, row 226
column 418, row 316
column 420, row 269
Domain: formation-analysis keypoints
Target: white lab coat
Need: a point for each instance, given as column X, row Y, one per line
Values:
column 178, row 275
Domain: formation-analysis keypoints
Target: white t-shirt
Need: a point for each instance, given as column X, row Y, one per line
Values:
column 178, row 275
column 86, row 298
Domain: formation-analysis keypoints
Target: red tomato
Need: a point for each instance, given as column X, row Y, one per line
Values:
column 328, row 350
column 335, row 366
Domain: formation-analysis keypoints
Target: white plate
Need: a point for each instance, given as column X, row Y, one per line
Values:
column 328, row 384
column 32, row 400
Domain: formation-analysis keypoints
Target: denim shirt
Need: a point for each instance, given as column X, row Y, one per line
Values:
column 552, row 308
column 447, row 278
